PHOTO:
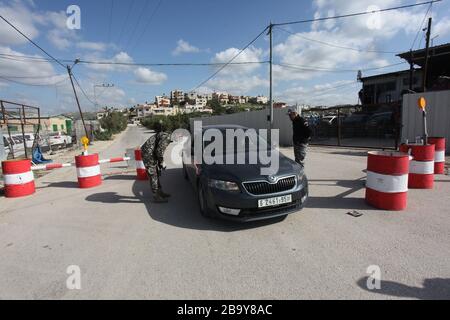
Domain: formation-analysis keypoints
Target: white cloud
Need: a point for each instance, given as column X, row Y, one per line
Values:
column 121, row 57
column 59, row 35
column 28, row 71
column 184, row 47
column 237, row 85
column 95, row 46
column 252, row 54
column 18, row 14
column 334, row 93
column 368, row 33
column 442, row 28
column 145, row 75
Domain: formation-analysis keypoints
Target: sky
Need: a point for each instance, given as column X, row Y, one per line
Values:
column 314, row 63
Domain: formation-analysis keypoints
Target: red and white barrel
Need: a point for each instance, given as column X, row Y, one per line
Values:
column 421, row 167
column 88, row 171
column 439, row 155
column 387, row 180
column 140, row 168
column 18, row 178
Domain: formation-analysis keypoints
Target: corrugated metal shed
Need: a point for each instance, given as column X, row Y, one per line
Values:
column 438, row 116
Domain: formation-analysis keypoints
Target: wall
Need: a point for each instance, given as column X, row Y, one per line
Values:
column 256, row 120
column 438, row 116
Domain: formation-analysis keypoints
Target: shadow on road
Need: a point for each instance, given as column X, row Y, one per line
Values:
column 342, row 200
column 62, row 184
column 433, row 289
column 181, row 211
column 351, row 153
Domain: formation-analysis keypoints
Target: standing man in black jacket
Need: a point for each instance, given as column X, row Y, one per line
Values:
column 302, row 135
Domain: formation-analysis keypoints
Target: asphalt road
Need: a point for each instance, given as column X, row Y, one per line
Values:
column 129, row 248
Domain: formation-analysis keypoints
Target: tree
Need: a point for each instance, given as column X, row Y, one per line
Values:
column 216, row 106
column 114, row 122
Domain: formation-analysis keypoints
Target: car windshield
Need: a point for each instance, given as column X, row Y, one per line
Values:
column 247, row 142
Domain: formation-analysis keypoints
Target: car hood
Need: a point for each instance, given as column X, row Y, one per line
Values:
column 250, row 172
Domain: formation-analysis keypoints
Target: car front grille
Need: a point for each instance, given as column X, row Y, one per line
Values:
column 264, row 187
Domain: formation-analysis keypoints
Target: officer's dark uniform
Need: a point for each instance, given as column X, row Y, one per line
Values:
column 302, row 135
column 153, row 157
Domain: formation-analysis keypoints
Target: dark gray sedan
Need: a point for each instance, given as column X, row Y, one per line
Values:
column 239, row 192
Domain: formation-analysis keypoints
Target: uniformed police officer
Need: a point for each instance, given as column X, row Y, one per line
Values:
column 153, row 157
column 301, row 136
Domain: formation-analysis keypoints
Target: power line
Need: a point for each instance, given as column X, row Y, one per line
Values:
column 168, row 64
column 321, row 69
column 34, row 43
column 22, row 58
column 82, row 90
column 150, row 19
column 421, row 25
column 231, row 60
column 110, row 20
column 29, row 77
column 335, row 45
column 355, row 14
column 144, row 9
column 130, row 7
column 32, row 84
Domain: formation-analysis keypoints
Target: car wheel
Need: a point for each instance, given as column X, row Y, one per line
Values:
column 202, row 200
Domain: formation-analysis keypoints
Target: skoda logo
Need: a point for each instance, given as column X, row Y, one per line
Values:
column 272, row 179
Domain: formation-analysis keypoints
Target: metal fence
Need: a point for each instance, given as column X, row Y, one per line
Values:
column 18, row 119
column 368, row 126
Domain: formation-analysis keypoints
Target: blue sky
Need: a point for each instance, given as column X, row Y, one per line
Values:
column 203, row 31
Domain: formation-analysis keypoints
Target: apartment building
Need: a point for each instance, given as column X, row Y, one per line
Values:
column 177, row 97
column 162, row 101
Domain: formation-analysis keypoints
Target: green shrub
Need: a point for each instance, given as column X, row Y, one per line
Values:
column 102, row 136
column 170, row 123
column 114, row 122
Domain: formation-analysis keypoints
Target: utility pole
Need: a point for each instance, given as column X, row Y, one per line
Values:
column 69, row 71
column 411, row 70
column 270, row 116
column 427, row 52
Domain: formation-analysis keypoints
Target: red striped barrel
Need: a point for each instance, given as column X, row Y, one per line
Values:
column 18, row 178
column 439, row 156
column 88, row 171
column 140, row 167
column 387, row 180
column 421, row 167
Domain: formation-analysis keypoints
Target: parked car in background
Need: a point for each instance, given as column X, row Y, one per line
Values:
column 14, row 145
column 327, row 127
column 354, row 126
column 59, row 139
column 380, row 125
column 329, row 120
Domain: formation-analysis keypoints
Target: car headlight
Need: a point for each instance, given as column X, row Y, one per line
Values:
column 223, row 185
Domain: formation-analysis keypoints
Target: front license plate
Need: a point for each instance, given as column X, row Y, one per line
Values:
column 272, row 202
